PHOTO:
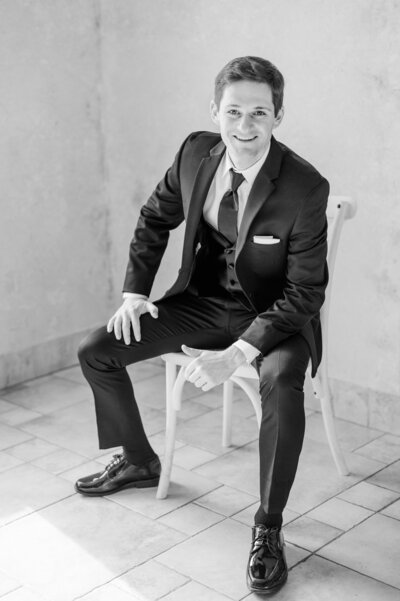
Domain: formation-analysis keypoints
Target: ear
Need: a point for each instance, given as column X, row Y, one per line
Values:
column 279, row 117
column 214, row 112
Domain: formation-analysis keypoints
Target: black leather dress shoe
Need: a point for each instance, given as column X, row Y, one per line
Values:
column 119, row 474
column 267, row 568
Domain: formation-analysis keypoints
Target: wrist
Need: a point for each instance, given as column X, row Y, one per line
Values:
column 236, row 355
column 134, row 296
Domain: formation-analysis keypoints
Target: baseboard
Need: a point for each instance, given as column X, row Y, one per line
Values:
column 40, row 359
column 363, row 406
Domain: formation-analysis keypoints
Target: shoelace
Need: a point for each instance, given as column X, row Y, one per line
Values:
column 270, row 538
column 116, row 461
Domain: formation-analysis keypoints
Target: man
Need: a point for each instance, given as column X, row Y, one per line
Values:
column 249, row 289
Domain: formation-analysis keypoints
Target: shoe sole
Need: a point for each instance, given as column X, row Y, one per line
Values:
column 139, row 484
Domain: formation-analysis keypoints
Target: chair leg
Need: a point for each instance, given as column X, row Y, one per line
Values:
column 170, row 429
column 322, row 393
column 227, row 414
column 253, row 394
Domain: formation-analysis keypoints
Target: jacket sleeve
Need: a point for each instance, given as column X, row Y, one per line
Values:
column 162, row 212
column 306, row 276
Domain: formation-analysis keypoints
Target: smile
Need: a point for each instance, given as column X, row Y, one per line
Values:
column 245, row 139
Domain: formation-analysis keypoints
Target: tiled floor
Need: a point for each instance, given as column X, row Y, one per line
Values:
column 342, row 533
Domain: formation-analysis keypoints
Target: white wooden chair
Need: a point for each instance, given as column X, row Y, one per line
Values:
column 339, row 209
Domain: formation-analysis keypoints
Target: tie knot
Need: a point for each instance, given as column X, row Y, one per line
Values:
column 236, row 180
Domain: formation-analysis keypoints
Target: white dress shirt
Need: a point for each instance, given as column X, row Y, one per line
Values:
column 220, row 184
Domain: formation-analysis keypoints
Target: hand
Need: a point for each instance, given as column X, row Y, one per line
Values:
column 211, row 368
column 129, row 313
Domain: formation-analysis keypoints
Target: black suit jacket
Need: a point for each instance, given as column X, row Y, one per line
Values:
column 284, row 282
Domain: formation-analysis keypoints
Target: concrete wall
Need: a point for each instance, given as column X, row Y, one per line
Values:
column 54, row 237
column 98, row 96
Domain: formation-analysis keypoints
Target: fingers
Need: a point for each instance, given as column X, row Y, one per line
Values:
column 196, row 375
column 135, row 321
column 110, row 325
column 203, row 383
column 117, row 326
column 126, row 328
column 127, row 316
column 135, row 314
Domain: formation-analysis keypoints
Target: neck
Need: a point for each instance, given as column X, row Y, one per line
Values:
column 242, row 163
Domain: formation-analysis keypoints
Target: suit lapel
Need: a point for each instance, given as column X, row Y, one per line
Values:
column 204, row 176
column 262, row 188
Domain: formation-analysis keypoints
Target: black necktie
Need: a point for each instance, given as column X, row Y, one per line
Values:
column 228, row 209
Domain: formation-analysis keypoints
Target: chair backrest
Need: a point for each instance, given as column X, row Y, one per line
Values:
column 339, row 209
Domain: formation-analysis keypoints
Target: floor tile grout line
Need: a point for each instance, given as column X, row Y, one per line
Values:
column 231, row 516
column 19, row 427
column 26, row 385
column 316, row 554
column 187, row 537
column 302, row 515
column 228, row 598
column 306, row 514
column 21, row 517
column 196, row 499
column 367, row 427
column 369, row 508
column 140, row 565
column 186, row 504
column 50, row 473
column 20, row 586
column 370, row 441
column 53, row 374
column 352, row 486
column 60, row 448
column 343, row 532
column 112, row 580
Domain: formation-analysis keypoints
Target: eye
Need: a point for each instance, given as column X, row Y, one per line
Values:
column 233, row 112
column 260, row 113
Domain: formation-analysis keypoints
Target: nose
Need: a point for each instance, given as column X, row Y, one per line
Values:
column 244, row 124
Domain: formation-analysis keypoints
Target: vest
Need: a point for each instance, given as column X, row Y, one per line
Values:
column 214, row 270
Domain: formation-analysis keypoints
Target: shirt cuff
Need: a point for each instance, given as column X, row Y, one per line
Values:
column 249, row 351
column 134, row 295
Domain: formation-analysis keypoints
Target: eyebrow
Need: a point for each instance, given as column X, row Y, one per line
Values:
column 264, row 108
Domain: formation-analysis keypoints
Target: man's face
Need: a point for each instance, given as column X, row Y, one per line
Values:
column 246, row 118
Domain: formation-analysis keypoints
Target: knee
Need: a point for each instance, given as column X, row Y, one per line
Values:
column 90, row 347
column 273, row 378
column 281, row 376
column 85, row 350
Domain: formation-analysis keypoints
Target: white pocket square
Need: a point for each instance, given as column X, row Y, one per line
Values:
column 265, row 240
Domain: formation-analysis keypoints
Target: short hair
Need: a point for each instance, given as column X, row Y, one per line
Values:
column 251, row 68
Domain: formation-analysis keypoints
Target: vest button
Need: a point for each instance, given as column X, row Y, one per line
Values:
column 231, row 265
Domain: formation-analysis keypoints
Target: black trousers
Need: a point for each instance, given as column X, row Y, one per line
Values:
column 205, row 323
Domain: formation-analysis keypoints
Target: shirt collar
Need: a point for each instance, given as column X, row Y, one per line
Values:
column 251, row 172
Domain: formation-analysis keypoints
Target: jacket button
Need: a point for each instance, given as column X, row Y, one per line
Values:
column 232, row 282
